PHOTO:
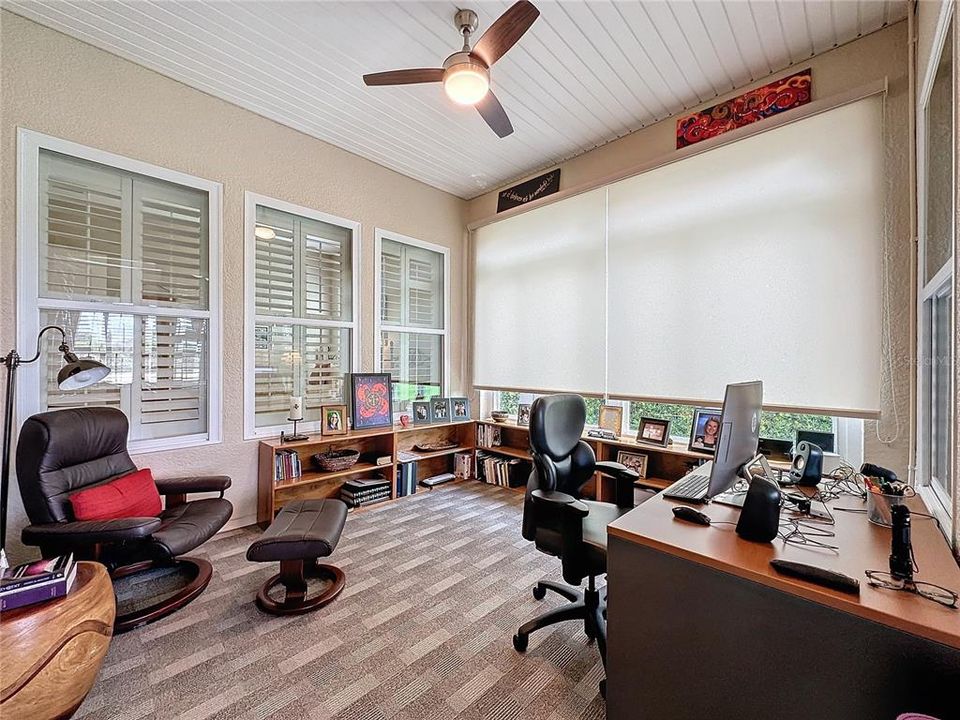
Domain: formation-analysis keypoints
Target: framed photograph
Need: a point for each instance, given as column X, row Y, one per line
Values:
column 654, row 431
column 421, row 412
column 523, row 414
column 439, row 410
column 371, row 403
column 705, row 431
column 333, row 419
column 459, row 409
column 611, row 418
column 634, row 461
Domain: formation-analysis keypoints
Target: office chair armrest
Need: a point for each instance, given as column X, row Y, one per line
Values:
column 194, row 484
column 560, row 502
column 90, row 532
column 625, row 478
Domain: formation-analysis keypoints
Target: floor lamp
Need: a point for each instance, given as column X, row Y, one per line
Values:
column 75, row 374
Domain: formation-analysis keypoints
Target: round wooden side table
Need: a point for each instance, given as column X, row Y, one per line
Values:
column 52, row 651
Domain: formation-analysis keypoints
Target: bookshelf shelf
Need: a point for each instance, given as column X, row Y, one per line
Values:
column 315, row 476
column 437, row 453
column 506, row 450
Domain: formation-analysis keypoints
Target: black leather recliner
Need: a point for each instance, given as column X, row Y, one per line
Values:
column 562, row 524
column 64, row 451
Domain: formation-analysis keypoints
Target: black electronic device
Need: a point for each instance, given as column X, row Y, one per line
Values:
column 826, row 441
column 807, row 464
column 817, row 575
column 760, row 517
column 771, row 447
column 685, row 512
column 871, row 470
column 901, row 550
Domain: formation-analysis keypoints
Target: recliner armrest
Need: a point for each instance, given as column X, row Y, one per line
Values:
column 560, row 501
column 625, row 478
column 90, row 532
column 194, row 484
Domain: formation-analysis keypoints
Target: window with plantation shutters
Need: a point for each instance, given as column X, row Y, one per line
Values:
column 300, row 297
column 122, row 263
column 412, row 326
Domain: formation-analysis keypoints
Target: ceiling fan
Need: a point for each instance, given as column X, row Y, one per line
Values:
column 466, row 74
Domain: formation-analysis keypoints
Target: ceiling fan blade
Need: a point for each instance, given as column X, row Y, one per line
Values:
column 405, row 77
column 505, row 31
column 492, row 111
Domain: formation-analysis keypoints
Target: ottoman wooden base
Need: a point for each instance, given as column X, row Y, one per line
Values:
column 293, row 576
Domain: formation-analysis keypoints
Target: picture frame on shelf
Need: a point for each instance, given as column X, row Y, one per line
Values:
column 705, row 430
column 333, row 420
column 654, row 431
column 459, row 409
column 611, row 418
column 634, row 461
column 523, row 414
column 421, row 412
column 439, row 410
column 371, row 400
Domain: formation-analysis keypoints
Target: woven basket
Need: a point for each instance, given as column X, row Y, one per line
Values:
column 336, row 460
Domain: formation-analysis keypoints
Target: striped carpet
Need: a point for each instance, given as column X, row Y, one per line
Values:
column 436, row 585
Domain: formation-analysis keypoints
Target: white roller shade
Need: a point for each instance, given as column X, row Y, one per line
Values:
column 539, row 298
column 760, row 259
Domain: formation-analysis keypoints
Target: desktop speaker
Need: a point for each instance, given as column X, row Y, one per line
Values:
column 807, row 464
column 760, row 515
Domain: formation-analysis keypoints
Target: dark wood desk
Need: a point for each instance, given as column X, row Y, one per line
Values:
column 700, row 625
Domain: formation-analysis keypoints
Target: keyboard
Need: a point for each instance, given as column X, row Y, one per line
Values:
column 691, row 487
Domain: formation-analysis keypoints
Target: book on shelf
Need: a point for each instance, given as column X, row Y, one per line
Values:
column 407, row 479
column 488, row 435
column 36, row 582
column 286, row 465
column 506, row 472
column 463, row 465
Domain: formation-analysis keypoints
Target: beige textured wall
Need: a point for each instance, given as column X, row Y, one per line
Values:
column 57, row 85
column 928, row 15
column 881, row 54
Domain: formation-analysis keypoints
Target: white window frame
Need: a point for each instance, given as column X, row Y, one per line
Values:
column 250, row 202
column 379, row 236
column 939, row 504
column 30, row 304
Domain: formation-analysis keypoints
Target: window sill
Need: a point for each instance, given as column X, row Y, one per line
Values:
column 272, row 431
column 935, row 507
column 143, row 447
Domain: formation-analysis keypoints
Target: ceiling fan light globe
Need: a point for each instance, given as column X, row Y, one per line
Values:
column 466, row 83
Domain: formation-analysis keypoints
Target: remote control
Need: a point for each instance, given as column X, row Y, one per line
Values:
column 817, row 575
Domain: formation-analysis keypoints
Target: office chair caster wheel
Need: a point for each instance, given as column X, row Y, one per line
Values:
column 520, row 642
column 588, row 631
column 539, row 592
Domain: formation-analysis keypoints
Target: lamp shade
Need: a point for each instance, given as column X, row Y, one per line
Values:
column 78, row 373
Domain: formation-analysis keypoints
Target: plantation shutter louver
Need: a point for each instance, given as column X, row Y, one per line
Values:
column 172, row 386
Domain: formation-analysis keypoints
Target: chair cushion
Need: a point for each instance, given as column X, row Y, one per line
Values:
column 185, row 527
column 594, row 535
column 304, row 529
column 132, row 495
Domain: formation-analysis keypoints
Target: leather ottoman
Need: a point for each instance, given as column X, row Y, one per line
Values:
column 302, row 532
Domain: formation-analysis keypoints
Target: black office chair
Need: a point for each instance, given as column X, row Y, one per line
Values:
column 563, row 525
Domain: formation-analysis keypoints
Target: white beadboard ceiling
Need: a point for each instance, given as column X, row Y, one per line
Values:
column 585, row 74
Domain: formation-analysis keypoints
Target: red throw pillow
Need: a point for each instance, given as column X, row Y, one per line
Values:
column 133, row 495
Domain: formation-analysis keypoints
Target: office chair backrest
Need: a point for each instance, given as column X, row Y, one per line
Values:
column 561, row 461
column 61, row 452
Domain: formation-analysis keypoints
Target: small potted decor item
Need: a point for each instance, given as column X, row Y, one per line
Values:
column 500, row 416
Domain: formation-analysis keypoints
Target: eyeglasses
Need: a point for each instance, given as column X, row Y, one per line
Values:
column 936, row 593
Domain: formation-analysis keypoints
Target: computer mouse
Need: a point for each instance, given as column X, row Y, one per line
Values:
column 684, row 512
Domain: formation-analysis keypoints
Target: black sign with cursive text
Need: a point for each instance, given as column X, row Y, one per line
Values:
column 528, row 191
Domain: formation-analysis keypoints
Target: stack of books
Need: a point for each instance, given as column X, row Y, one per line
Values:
column 365, row 492
column 37, row 581
column 506, row 472
column 286, row 465
column 463, row 465
column 488, row 435
column 407, row 479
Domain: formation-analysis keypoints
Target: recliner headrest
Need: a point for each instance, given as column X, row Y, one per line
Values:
column 556, row 424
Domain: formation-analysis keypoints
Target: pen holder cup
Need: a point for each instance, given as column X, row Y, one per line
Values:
column 879, row 507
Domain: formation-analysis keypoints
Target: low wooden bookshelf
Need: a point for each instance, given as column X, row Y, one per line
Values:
column 371, row 444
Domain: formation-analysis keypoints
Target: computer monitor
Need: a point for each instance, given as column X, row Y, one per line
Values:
column 739, row 434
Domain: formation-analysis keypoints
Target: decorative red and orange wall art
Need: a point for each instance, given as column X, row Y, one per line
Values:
column 762, row 102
